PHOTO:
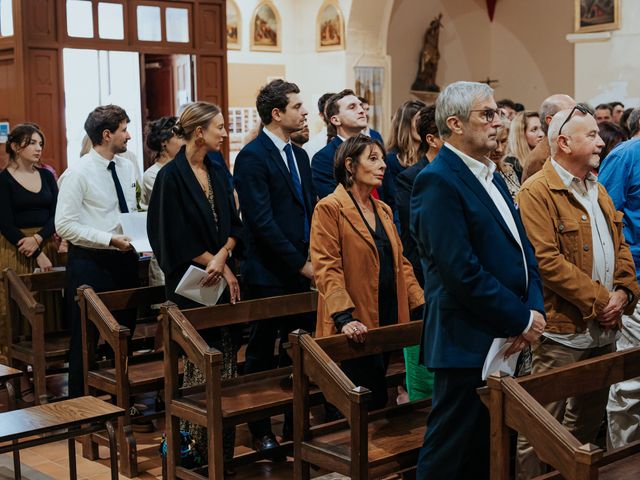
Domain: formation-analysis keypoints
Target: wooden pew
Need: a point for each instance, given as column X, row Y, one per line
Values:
column 127, row 375
column 365, row 444
column 220, row 402
column 518, row 404
column 41, row 349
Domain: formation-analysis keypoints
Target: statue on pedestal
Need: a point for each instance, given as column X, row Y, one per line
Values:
column 429, row 56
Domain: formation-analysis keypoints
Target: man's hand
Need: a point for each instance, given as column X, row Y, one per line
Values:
column 518, row 344
column 612, row 313
column 121, row 242
column 537, row 327
column 307, row 271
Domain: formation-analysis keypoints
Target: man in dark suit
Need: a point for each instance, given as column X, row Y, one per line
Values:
column 481, row 279
column 273, row 181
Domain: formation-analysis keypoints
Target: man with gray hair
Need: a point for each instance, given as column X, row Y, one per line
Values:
column 620, row 175
column 633, row 123
column 586, row 267
column 481, row 279
column 539, row 155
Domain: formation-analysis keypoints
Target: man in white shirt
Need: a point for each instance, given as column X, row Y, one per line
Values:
column 585, row 264
column 482, row 280
column 92, row 197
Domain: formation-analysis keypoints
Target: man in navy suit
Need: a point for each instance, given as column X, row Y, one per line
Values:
column 481, row 279
column 273, row 181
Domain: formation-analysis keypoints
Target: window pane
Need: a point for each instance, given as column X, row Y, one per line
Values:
column 149, row 23
column 6, row 18
column 110, row 21
column 79, row 18
column 177, row 25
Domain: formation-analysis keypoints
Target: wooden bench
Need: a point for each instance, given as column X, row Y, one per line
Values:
column 220, row 402
column 518, row 404
column 52, row 422
column 41, row 349
column 128, row 374
column 365, row 444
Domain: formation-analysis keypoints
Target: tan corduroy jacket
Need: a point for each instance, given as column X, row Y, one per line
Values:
column 346, row 265
column 559, row 229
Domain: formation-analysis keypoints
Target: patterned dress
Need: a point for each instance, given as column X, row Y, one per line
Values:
column 193, row 376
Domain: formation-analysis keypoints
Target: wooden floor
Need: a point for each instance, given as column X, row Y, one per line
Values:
column 52, row 459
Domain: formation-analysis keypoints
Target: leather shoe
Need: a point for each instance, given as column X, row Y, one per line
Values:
column 266, row 443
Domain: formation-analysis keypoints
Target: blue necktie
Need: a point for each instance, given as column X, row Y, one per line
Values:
column 298, row 186
column 121, row 200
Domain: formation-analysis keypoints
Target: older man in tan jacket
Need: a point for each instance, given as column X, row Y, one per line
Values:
column 586, row 267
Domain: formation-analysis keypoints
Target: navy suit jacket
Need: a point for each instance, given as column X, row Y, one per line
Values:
column 272, row 214
column 475, row 287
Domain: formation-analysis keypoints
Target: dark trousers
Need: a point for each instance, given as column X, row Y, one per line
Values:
column 260, row 349
column 103, row 270
column 456, row 445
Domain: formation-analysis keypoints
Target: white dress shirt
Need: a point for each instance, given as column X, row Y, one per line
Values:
column 316, row 143
column 88, row 212
column 586, row 193
column 484, row 171
column 280, row 144
column 148, row 179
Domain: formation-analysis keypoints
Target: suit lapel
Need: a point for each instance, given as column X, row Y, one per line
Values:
column 195, row 191
column 476, row 187
column 352, row 215
column 276, row 158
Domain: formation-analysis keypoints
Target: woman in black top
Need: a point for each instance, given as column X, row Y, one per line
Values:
column 27, row 208
column 192, row 220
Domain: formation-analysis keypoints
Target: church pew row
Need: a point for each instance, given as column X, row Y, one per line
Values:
column 366, row 444
column 518, row 404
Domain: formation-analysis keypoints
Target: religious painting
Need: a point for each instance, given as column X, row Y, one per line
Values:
column 330, row 27
column 265, row 28
column 597, row 15
column 233, row 26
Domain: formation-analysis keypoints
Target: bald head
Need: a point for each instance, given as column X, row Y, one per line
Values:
column 553, row 105
column 579, row 143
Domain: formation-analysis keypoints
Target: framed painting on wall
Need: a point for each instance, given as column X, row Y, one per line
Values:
column 265, row 28
column 597, row 15
column 330, row 27
column 234, row 24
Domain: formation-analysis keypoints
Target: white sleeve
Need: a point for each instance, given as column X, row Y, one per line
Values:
column 68, row 209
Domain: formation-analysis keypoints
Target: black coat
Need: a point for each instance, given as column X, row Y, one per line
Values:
column 180, row 223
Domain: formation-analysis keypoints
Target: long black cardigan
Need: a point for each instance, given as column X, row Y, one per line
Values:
column 180, row 223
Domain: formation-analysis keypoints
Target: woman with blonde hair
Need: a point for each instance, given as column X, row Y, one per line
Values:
column 524, row 134
column 405, row 146
column 192, row 220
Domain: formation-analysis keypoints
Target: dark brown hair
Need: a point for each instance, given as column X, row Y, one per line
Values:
column 274, row 94
column 352, row 148
column 332, row 108
column 107, row 117
column 21, row 136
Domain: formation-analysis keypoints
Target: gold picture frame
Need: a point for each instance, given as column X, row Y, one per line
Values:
column 597, row 15
column 234, row 26
column 266, row 28
column 330, row 27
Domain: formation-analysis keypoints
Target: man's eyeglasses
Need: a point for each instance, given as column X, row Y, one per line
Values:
column 579, row 108
column 489, row 114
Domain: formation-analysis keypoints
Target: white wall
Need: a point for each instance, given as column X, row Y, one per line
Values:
column 609, row 69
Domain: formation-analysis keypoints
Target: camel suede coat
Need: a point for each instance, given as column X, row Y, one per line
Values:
column 346, row 265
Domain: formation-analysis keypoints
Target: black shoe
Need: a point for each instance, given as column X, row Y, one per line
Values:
column 266, row 443
column 229, row 471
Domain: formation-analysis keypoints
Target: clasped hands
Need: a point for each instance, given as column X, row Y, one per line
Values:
column 28, row 245
column 532, row 335
column 611, row 315
column 216, row 269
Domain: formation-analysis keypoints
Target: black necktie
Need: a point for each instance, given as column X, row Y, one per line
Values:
column 297, row 185
column 121, row 200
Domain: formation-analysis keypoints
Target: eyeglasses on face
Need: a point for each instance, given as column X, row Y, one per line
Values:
column 579, row 108
column 489, row 113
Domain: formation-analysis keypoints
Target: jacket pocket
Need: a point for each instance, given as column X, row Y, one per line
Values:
column 568, row 231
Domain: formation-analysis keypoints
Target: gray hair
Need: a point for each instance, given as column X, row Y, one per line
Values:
column 555, row 125
column 633, row 122
column 456, row 100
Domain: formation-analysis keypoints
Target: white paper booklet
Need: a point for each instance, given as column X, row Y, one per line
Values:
column 191, row 288
column 496, row 362
column 134, row 226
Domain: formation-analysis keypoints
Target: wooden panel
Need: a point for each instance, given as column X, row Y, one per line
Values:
column 212, row 28
column 40, row 20
column 44, row 105
column 211, row 79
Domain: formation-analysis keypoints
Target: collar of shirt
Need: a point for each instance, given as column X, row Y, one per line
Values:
column 482, row 170
column 569, row 179
column 277, row 141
